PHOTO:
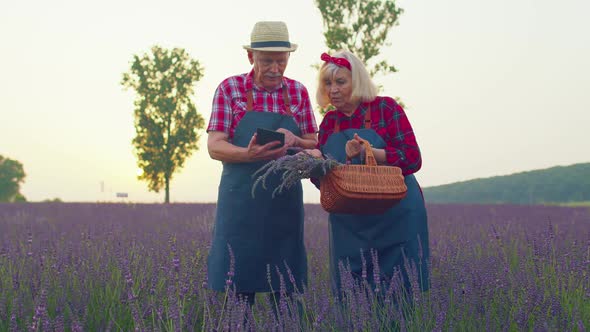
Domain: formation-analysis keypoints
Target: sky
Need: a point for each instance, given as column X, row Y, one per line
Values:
column 491, row 87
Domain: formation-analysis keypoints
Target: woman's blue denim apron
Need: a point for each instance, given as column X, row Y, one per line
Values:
column 261, row 231
column 401, row 232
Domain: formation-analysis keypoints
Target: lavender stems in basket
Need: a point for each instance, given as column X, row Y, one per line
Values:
column 295, row 168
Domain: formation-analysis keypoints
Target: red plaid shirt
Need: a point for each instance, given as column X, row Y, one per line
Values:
column 389, row 120
column 230, row 103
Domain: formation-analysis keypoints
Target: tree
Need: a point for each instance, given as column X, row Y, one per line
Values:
column 12, row 175
column 166, row 119
column 361, row 27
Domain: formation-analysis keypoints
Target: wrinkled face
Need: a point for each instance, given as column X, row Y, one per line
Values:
column 338, row 87
column 269, row 68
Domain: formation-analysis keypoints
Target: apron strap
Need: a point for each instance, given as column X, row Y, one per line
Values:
column 287, row 102
column 367, row 121
column 368, row 118
column 249, row 100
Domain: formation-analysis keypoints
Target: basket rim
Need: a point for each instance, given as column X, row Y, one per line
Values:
column 388, row 191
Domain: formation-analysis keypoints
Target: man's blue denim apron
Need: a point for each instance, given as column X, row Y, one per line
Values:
column 262, row 231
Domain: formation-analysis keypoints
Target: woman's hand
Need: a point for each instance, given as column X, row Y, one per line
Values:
column 318, row 171
column 354, row 147
column 313, row 152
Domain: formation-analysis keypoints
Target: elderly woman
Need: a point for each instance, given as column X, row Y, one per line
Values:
column 399, row 236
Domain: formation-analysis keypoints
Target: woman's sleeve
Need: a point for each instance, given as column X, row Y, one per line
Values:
column 401, row 147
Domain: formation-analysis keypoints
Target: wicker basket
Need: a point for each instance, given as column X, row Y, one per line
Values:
column 362, row 189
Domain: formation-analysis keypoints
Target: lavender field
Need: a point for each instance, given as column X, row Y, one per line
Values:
column 123, row 267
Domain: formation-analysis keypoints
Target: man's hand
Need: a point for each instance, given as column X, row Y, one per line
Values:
column 267, row 151
column 290, row 139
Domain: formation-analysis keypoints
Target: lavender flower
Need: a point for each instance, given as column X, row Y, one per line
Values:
column 492, row 268
column 232, row 263
column 293, row 168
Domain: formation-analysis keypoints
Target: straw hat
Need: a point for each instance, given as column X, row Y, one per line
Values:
column 270, row 37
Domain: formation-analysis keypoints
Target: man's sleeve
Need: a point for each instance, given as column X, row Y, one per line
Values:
column 306, row 117
column 221, row 114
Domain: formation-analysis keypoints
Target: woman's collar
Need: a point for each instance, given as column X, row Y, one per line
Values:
column 354, row 113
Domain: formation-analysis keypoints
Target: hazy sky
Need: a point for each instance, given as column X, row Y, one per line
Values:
column 492, row 87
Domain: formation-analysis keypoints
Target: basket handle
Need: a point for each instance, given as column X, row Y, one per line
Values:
column 369, row 157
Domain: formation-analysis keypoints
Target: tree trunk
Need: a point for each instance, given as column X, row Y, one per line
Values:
column 167, row 198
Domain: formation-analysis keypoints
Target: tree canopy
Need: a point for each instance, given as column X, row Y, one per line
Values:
column 361, row 27
column 12, row 175
column 166, row 118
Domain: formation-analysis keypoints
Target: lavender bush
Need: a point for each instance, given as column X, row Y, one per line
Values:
column 111, row 267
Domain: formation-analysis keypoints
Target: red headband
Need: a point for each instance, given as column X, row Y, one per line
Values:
column 342, row 62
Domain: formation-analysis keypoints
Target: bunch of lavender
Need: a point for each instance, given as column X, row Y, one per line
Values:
column 295, row 168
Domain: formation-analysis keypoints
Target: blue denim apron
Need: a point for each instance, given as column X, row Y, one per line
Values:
column 261, row 231
column 401, row 231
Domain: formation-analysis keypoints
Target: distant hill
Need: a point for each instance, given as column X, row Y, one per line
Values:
column 561, row 184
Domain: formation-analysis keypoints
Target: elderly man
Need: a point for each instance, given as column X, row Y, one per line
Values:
column 258, row 236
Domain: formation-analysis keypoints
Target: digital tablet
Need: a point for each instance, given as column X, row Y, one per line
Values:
column 264, row 136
